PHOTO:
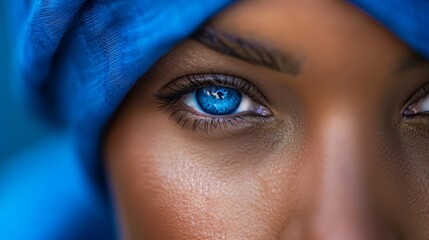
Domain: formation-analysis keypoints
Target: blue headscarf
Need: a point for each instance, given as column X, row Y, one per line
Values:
column 77, row 60
column 407, row 19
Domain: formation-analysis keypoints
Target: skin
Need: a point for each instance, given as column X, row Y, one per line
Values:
column 337, row 160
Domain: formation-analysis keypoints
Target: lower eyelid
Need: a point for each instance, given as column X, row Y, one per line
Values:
column 231, row 125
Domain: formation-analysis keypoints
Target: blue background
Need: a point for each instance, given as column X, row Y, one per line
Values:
column 19, row 128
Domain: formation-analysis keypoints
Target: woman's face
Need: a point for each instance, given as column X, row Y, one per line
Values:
column 278, row 120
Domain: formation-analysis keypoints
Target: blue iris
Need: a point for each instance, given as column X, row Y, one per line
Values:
column 216, row 100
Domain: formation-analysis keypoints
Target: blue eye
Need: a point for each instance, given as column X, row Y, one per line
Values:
column 218, row 100
column 222, row 101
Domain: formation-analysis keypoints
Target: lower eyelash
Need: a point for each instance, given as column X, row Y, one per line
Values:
column 195, row 122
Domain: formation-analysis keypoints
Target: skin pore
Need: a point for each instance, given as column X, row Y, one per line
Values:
column 339, row 152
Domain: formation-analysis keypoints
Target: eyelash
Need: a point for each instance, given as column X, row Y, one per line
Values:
column 169, row 95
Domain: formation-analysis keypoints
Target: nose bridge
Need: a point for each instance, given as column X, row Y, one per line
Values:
column 339, row 206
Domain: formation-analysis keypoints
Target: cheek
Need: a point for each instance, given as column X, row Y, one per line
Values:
column 159, row 194
column 403, row 178
column 415, row 189
column 166, row 187
column 160, row 199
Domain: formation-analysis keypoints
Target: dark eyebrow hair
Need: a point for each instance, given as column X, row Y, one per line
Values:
column 412, row 60
column 247, row 50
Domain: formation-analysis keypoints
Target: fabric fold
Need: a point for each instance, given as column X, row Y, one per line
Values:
column 78, row 59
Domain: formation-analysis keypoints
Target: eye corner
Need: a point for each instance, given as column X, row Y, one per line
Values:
column 417, row 104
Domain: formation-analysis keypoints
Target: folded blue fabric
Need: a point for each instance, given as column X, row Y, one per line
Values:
column 79, row 58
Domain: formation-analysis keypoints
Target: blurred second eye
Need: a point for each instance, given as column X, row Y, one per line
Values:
column 420, row 104
column 421, row 107
column 222, row 101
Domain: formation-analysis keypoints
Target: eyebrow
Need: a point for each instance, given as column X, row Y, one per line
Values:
column 248, row 50
column 409, row 62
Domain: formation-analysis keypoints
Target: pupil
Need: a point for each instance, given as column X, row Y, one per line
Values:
column 218, row 100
